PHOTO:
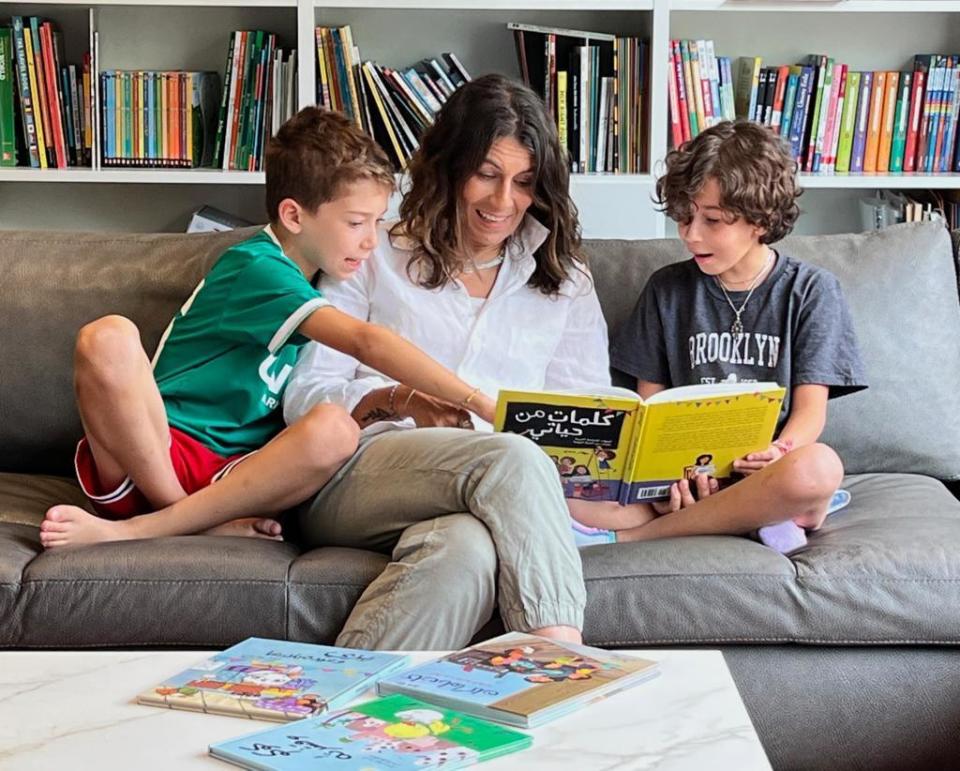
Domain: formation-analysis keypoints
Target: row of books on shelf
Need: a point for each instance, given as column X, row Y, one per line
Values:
column 395, row 106
column 837, row 120
column 452, row 712
column 45, row 115
column 259, row 94
column 595, row 87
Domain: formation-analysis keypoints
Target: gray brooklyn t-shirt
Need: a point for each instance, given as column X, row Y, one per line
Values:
column 797, row 329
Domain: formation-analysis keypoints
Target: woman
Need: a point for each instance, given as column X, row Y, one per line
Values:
column 483, row 271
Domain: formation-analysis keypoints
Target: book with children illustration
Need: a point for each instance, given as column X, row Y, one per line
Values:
column 274, row 680
column 520, row 679
column 396, row 732
column 615, row 446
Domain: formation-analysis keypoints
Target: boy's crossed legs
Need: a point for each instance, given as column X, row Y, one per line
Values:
column 126, row 426
column 796, row 488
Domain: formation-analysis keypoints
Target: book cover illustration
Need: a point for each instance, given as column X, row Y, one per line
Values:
column 273, row 680
column 620, row 447
column 396, row 732
column 586, row 437
column 520, row 679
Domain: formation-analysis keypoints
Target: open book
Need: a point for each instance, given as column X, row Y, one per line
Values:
column 615, row 446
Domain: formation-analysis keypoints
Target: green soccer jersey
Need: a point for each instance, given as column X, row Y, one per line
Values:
column 224, row 360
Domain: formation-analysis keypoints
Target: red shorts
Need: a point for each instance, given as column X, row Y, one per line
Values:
column 195, row 464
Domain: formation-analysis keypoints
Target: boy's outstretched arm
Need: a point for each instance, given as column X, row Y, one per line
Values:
column 808, row 416
column 396, row 358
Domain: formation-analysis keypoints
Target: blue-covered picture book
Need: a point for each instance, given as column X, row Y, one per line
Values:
column 274, row 680
column 520, row 679
column 397, row 732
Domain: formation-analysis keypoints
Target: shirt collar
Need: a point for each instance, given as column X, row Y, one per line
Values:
column 273, row 236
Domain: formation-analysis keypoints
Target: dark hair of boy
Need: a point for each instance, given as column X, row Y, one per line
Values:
column 316, row 153
column 753, row 167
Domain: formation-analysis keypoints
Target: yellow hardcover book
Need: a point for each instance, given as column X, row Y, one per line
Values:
column 562, row 107
column 874, row 123
column 37, row 96
column 886, row 125
column 616, row 446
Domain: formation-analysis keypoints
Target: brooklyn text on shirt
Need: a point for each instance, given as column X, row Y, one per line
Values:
column 753, row 348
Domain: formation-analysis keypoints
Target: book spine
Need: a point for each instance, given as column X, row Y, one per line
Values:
column 914, row 121
column 27, row 115
column 789, row 102
column 822, row 160
column 779, row 95
column 887, row 121
column 799, row 119
column 840, row 77
column 224, row 102
column 863, row 116
column 824, row 71
column 692, row 119
column 945, row 151
column 699, row 106
column 38, row 100
column 848, row 123
column 714, row 82
column 8, row 126
column 901, row 122
column 928, row 65
column 875, row 122
column 673, row 91
column 706, row 96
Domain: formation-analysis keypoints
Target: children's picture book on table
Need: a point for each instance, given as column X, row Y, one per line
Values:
column 396, row 732
column 521, row 679
column 615, row 446
column 274, row 680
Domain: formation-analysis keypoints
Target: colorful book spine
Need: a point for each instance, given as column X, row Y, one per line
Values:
column 863, row 116
column 698, row 90
column 829, row 97
column 874, row 122
column 823, row 71
column 901, row 122
column 693, row 120
column 27, row 114
column 38, row 100
column 848, row 123
column 714, row 71
column 789, row 101
column 834, row 138
column 945, row 153
column 8, row 126
column 917, row 92
column 673, row 94
column 726, row 90
column 927, row 63
column 799, row 120
column 887, row 122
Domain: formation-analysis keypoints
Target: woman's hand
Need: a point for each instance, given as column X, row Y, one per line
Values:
column 428, row 412
column 682, row 495
column 752, row 463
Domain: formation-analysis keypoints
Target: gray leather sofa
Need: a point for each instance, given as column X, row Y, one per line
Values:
column 845, row 652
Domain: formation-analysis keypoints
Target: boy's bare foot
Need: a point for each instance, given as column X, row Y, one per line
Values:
column 72, row 526
column 249, row 527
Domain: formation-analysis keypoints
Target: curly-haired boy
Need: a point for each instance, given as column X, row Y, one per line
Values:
column 741, row 311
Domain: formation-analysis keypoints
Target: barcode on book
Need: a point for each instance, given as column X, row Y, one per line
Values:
column 653, row 492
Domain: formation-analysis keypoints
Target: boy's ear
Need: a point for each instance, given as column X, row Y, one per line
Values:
column 290, row 214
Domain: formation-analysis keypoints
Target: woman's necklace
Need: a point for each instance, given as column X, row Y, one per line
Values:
column 473, row 267
column 737, row 327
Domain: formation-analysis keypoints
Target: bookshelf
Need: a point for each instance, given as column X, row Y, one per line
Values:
column 186, row 34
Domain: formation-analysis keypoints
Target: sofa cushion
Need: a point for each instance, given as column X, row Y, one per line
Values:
column 901, row 285
column 54, row 283
column 25, row 498
column 881, row 571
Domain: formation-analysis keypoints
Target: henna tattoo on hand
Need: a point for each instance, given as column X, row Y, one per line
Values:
column 377, row 413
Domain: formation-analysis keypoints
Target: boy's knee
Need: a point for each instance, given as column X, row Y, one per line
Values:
column 107, row 341
column 331, row 436
column 816, row 471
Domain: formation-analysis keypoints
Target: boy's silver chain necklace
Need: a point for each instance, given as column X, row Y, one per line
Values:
column 736, row 328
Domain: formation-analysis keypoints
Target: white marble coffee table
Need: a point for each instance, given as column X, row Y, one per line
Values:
column 76, row 710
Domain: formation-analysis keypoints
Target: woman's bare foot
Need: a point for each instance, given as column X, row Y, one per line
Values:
column 72, row 526
column 249, row 527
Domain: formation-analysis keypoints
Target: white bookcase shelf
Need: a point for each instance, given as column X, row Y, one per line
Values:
column 194, row 34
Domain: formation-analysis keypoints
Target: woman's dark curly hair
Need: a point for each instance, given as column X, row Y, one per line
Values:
column 753, row 167
column 479, row 113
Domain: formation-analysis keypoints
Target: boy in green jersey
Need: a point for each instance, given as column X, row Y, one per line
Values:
column 207, row 408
